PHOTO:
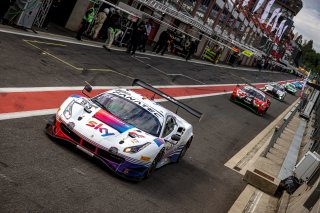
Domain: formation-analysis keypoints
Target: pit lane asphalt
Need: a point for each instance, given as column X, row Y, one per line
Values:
column 38, row 174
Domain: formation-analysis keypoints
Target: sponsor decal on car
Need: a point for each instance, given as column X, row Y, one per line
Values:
column 158, row 141
column 99, row 126
column 112, row 121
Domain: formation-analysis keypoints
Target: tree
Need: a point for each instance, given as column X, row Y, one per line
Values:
column 311, row 59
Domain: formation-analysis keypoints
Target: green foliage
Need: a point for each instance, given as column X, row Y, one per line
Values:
column 311, row 59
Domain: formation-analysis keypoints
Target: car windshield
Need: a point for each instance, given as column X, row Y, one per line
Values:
column 255, row 93
column 129, row 112
column 278, row 87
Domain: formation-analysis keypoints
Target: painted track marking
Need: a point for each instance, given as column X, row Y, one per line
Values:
column 69, row 64
column 27, row 102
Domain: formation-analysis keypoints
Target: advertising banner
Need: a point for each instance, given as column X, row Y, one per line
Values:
column 258, row 5
column 274, row 14
column 266, row 11
column 276, row 22
column 247, row 53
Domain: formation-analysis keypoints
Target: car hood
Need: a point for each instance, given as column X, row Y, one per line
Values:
column 100, row 127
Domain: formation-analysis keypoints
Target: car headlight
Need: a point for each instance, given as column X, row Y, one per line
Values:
column 68, row 110
column 135, row 149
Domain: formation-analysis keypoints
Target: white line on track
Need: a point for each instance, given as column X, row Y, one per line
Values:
column 79, row 88
column 14, row 115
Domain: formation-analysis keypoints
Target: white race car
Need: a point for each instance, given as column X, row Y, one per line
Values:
column 129, row 133
column 276, row 90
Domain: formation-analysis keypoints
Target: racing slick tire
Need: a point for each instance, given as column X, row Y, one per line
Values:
column 154, row 163
column 184, row 150
column 51, row 121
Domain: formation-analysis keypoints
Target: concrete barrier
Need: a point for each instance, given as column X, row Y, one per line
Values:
column 262, row 180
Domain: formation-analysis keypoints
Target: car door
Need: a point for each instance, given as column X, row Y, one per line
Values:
column 170, row 129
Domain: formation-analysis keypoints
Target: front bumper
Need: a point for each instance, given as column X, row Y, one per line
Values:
column 118, row 164
column 276, row 95
column 291, row 91
column 250, row 106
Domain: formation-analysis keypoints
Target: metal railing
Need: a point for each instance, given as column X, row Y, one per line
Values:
column 278, row 130
column 316, row 126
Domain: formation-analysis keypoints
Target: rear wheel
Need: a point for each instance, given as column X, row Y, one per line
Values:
column 184, row 150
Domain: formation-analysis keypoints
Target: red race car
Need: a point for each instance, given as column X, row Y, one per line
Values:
column 252, row 98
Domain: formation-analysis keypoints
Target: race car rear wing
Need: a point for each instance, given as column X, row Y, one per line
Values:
column 169, row 98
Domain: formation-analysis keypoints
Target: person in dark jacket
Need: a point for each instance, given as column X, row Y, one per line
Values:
column 86, row 21
column 192, row 49
column 162, row 42
column 114, row 28
column 136, row 37
column 147, row 30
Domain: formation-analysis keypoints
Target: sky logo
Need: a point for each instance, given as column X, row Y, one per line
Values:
column 98, row 126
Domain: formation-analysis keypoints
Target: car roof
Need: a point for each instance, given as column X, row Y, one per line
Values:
column 255, row 89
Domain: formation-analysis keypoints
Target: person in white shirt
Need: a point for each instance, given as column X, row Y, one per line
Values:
column 101, row 18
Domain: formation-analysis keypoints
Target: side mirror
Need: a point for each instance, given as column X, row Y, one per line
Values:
column 87, row 88
column 176, row 137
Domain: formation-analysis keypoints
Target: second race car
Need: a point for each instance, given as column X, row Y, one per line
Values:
column 276, row 90
column 251, row 97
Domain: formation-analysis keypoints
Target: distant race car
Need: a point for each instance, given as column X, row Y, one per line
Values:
column 251, row 97
column 129, row 133
column 297, row 84
column 290, row 88
column 276, row 90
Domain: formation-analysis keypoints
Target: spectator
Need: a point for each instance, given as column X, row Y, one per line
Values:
column 192, row 49
column 162, row 43
column 86, row 21
column 113, row 30
column 217, row 55
column 145, row 36
column 136, row 37
column 236, row 56
column 101, row 18
column 260, row 64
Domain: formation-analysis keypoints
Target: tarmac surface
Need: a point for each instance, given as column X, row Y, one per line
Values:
column 38, row 174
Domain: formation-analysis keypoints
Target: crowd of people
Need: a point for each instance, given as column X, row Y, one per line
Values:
column 108, row 18
column 107, row 25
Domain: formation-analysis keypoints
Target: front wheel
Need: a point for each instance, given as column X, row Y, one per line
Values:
column 154, row 163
